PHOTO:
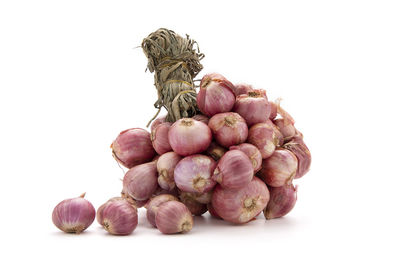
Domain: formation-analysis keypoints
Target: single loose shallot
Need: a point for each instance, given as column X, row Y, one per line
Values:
column 154, row 204
column 173, row 217
column 119, row 217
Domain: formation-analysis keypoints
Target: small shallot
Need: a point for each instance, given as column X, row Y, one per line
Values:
column 173, row 217
column 154, row 204
column 252, row 152
column 159, row 138
column 165, row 166
column 281, row 202
column 140, row 182
column 228, row 128
column 300, row 150
column 119, row 217
column 263, row 136
column 242, row 88
column 253, row 107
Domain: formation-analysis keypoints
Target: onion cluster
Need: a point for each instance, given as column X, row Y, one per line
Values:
column 235, row 160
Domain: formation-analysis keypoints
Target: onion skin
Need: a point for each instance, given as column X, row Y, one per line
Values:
column 253, row 107
column 286, row 128
column 133, row 147
column 216, row 151
column 188, row 136
column 154, row 204
column 140, row 182
column 234, row 170
column 201, row 118
column 274, row 110
column 302, row 153
column 194, row 207
column 242, row 89
column 282, row 201
column 73, row 215
column 165, row 167
column 173, row 217
column 228, row 128
column 262, row 135
column 99, row 213
column 279, row 136
column 279, row 169
column 158, row 121
column 194, row 173
column 159, row 138
column 216, row 95
column 119, row 217
column 212, row 211
column 252, row 152
column 242, row 205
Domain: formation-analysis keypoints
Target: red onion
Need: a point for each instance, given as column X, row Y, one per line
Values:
column 201, row 118
column 274, row 110
column 119, row 217
column 234, row 170
column 242, row 205
column 193, row 174
column 159, row 138
column 212, row 211
column 158, row 121
column 165, row 166
column 242, row 88
column 154, row 204
column 215, row 151
column 141, row 181
column 262, row 135
column 215, row 95
column 228, row 128
column 73, row 215
column 279, row 169
column 303, row 155
column 132, row 147
column 173, row 217
column 253, row 107
column 281, row 202
column 194, row 207
column 252, row 152
column 188, row 136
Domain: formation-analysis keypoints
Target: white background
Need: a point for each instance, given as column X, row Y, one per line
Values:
column 71, row 80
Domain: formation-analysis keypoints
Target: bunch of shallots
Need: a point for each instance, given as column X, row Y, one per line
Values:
column 236, row 159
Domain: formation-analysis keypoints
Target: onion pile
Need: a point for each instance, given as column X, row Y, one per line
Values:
column 236, row 159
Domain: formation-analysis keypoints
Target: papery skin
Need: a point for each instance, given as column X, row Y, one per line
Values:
column 212, row 211
column 203, row 198
column 216, row 95
column 234, row 170
column 252, row 152
column 201, row 118
column 274, row 110
column 173, row 217
column 286, row 128
column 73, row 215
column 188, row 136
column 159, row 138
column 253, row 107
column 119, row 217
column 99, row 213
column 282, row 200
column 241, row 205
column 154, row 204
column 140, row 182
column 262, row 135
column 133, row 147
column 158, row 121
column 165, row 167
column 242, row 88
column 216, row 151
column 194, row 173
column 302, row 153
column 279, row 169
column 228, row 128
column 194, row 207
column 278, row 134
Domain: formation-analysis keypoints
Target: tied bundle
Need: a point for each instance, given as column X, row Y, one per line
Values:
column 175, row 62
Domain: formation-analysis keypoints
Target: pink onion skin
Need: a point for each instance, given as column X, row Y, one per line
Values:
column 279, row 169
column 194, row 173
column 253, row 107
column 133, row 147
column 215, row 151
column 216, row 95
column 165, row 167
column 274, row 110
column 159, row 138
column 73, row 215
column 228, row 128
column 234, row 170
column 99, row 213
column 212, row 211
column 262, row 135
column 140, row 182
column 302, row 153
column 194, row 207
column 242, row 205
column 188, row 136
column 154, row 204
column 201, row 118
column 119, row 217
column 279, row 136
column 281, row 202
column 286, row 128
column 252, row 152
column 173, row 217
column 242, row 89
column 158, row 121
